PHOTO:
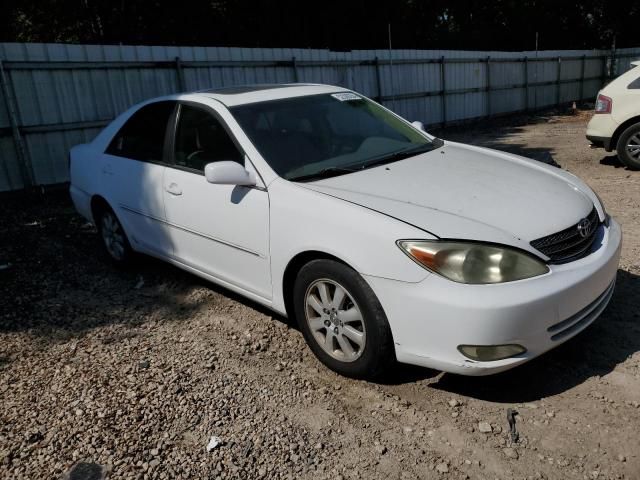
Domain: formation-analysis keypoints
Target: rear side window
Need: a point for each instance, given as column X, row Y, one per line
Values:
column 142, row 136
column 635, row 85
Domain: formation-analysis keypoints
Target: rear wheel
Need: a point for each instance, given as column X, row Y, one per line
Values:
column 628, row 147
column 114, row 239
column 342, row 320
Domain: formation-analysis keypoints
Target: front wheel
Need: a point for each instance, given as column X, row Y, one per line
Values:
column 342, row 320
column 628, row 147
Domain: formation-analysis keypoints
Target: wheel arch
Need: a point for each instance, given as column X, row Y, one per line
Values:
column 292, row 269
column 621, row 128
column 98, row 204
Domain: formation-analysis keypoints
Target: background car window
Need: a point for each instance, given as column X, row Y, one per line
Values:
column 201, row 139
column 142, row 136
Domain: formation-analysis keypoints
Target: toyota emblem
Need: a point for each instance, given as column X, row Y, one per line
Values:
column 584, row 227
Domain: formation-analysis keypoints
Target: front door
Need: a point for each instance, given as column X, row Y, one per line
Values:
column 221, row 230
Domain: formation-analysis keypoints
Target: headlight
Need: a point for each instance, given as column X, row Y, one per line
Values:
column 469, row 262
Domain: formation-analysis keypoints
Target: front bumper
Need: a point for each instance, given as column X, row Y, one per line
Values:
column 430, row 319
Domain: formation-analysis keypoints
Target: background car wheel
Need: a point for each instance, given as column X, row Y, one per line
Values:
column 114, row 239
column 342, row 320
column 628, row 147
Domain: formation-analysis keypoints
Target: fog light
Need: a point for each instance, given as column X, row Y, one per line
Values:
column 488, row 353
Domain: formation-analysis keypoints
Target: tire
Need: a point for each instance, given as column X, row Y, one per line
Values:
column 628, row 147
column 113, row 238
column 342, row 320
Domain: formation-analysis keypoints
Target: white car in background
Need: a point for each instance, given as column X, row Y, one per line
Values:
column 615, row 124
column 384, row 242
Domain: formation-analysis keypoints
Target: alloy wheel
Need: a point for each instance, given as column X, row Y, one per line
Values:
column 113, row 236
column 335, row 320
column 633, row 146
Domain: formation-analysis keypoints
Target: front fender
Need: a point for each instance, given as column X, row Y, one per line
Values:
column 304, row 220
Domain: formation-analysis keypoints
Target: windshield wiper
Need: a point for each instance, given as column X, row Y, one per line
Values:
column 402, row 154
column 324, row 173
column 392, row 157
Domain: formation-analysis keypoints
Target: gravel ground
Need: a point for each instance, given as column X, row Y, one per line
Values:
column 137, row 370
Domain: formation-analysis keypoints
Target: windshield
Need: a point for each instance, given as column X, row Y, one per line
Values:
column 313, row 136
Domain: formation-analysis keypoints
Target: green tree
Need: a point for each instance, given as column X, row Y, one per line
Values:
column 350, row 24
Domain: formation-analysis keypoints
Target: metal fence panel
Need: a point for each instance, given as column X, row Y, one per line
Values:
column 623, row 59
column 63, row 94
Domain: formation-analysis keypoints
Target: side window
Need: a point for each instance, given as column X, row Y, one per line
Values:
column 201, row 139
column 142, row 136
column 635, row 85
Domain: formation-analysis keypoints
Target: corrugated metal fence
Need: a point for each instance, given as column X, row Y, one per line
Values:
column 54, row 96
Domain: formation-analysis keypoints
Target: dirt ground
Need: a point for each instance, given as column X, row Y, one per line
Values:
column 137, row 370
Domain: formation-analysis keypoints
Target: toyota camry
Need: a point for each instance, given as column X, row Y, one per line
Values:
column 384, row 242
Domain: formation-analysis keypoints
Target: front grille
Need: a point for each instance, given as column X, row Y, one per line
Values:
column 569, row 244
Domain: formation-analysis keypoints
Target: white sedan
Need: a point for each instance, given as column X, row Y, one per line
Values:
column 383, row 242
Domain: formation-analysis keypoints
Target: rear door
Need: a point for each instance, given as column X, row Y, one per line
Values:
column 133, row 169
column 222, row 230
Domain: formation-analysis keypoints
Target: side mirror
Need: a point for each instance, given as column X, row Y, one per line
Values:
column 228, row 173
column 419, row 125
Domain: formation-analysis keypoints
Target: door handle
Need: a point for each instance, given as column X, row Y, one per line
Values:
column 174, row 189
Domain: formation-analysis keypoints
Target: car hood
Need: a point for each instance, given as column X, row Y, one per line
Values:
column 467, row 192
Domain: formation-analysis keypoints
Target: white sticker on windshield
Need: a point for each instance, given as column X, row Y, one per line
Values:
column 346, row 96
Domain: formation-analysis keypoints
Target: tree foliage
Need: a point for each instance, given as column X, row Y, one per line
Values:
column 349, row 24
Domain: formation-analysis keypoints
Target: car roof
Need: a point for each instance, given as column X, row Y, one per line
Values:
column 244, row 94
column 239, row 89
column 636, row 63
